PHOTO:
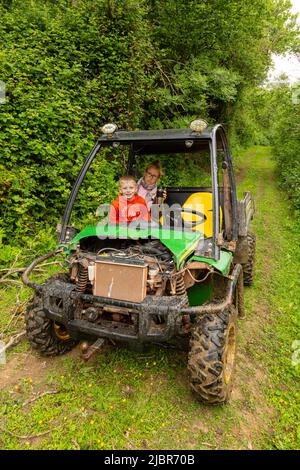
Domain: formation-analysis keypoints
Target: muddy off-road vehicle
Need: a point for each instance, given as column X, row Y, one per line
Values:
column 178, row 278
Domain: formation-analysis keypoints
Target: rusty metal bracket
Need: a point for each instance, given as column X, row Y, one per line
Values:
column 95, row 347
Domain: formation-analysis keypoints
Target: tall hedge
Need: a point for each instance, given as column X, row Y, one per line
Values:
column 286, row 139
column 71, row 65
column 68, row 68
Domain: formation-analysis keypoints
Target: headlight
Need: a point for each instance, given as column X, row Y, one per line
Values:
column 109, row 129
column 199, row 125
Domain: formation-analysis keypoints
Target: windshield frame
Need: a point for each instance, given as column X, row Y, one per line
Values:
column 172, row 136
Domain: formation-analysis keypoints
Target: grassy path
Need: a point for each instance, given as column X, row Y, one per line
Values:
column 126, row 399
column 275, row 300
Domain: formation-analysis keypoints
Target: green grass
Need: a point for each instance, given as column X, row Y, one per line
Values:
column 277, row 287
column 125, row 399
column 122, row 400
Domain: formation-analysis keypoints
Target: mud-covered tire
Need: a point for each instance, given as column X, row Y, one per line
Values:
column 212, row 356
column 248, row 267
column 42, row 331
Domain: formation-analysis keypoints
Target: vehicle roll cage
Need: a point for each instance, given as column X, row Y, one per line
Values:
column 170, row 139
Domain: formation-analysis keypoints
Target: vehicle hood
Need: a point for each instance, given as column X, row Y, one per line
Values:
column 181, row 244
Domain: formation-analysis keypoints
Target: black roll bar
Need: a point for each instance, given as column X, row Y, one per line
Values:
column 75, row 190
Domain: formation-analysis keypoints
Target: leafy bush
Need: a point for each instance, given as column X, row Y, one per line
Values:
column 67, row 69
column 286, row 139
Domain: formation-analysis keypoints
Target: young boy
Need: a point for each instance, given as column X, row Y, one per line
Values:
column 128, row 206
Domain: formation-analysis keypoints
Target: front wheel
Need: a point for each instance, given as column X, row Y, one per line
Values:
column 212, row 356
column 45, row 335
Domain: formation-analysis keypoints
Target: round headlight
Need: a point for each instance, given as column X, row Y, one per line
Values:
column 199, row 125
column 109, row 129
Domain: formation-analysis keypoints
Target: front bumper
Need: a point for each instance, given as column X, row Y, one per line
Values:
column 154, row 319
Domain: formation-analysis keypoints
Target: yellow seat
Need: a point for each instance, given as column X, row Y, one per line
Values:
column 203, row 204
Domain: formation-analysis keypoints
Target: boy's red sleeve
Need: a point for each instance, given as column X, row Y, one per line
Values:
column 114, row 212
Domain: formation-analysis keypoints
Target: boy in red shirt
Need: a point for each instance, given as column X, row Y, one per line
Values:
column 128, row 206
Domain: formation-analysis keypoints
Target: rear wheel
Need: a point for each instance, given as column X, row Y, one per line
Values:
column 212, row 356
column 248, row 267
column 45, row 335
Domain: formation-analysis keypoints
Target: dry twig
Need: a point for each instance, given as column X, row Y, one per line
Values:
column 13, row 281
column 18, row 311
column 75, row 443
column 25, row 437
column 31, row 400
column 12, row 270
column 207, row 444
column 14, row 341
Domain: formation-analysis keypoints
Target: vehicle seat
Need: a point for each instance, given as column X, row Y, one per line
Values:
column 198, row 200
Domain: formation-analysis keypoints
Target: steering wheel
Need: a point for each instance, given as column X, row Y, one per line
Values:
column 176, row 217
column 187, row 210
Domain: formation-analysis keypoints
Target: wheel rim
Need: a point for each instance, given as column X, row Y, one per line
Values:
column 61, row 332
column 229, row 354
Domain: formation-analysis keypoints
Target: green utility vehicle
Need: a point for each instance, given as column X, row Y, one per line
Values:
column 178, row 278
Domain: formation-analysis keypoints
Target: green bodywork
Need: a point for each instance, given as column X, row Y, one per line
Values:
column 222, row 265
column 200, row 293
column 203, row 292
column 181, row 244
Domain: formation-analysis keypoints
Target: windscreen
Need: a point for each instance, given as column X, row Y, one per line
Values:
column 183, row 174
